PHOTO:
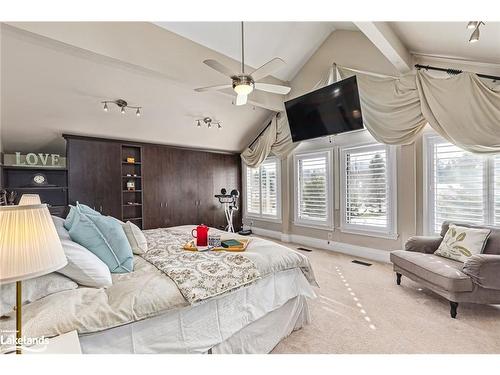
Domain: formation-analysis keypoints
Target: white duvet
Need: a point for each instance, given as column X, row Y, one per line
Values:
column 143, row 293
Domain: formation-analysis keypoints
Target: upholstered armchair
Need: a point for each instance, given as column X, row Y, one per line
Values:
column 475, row 281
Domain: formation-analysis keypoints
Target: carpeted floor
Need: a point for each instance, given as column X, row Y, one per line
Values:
column 360, row 309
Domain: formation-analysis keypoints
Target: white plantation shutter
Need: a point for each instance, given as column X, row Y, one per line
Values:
column 461, row 186
column 368, row 190
column 312, row 183
column 367, row 194
column 253, row 191
column 262, row 189
column 459, row 189
column 268, row 185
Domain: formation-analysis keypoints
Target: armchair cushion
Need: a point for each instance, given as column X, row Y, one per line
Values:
column 484, row 270
column 423, row 244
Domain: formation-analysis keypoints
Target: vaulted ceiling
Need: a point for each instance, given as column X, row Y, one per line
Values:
column 55, row 75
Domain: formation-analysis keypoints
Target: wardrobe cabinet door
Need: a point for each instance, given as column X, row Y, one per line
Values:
column 94, row 175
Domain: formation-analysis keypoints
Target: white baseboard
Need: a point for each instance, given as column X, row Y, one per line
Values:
column 340, row 247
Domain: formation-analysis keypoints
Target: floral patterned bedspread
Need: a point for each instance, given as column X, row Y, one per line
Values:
column 198, row 275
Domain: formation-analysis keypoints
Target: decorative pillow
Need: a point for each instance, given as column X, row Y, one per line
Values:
column 83, row 266
column 84, row 209
column 70, row 219
column 103, row 236
column 68, row 223
column 460, row 243
column 136, row 238
column 33, row 290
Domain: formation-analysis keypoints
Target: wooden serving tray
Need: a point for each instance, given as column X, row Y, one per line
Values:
column 191, row 246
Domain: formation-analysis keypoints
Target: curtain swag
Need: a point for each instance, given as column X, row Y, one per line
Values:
column 461, row 108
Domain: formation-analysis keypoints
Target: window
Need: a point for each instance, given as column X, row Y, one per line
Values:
column 262, row 190
column 368, row 193
column 459, row 185
column 313, row 197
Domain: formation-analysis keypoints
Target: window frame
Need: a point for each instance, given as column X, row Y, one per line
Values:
column 329, row 223
column 263, row 217
column 430, row 138
column 390, row 231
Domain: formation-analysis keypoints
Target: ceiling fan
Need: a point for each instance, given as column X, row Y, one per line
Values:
column 243, row 83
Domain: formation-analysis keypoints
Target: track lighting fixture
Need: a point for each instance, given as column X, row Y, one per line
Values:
column 122, row 104
column 475, row 34
column 472, row 25
column 208, row 121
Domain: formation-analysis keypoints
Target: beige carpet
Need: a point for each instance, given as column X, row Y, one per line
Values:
column 360, row 309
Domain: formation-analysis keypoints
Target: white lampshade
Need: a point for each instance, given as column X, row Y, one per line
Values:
column 29, row 199
column 29, row 244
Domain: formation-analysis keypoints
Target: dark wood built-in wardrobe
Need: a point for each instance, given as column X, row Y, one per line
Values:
column 173, row 186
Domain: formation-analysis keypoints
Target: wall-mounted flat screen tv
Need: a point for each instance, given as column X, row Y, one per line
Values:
column 330, row 110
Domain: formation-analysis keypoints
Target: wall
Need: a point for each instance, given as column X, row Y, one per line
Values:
column 350, row 49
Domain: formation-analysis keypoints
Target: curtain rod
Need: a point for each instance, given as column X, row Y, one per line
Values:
column 263, row 130
column 454, row 71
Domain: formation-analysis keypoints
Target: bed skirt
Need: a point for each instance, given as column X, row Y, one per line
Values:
column 250, row 320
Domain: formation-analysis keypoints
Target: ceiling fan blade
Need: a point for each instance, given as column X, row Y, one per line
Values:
column 268, row 68
column 275, row 89
column 241, row 100
column 219, row 67
column 213, row 88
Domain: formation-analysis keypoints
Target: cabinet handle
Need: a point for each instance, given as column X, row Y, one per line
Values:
column 161, row 204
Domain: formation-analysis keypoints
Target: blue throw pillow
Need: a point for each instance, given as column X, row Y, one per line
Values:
column 84, row 209
column 68, row 223
column 103, row 236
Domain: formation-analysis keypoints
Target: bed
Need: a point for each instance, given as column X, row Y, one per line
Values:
column 145, row 311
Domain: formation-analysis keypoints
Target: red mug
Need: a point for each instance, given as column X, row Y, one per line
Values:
column 201, row 235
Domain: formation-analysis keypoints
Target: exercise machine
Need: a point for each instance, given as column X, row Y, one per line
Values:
column 230, row 204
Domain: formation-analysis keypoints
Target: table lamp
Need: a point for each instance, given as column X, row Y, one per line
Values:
column 29, row 199
column 29, row 247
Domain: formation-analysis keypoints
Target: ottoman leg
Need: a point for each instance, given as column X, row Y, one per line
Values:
column 398, row 278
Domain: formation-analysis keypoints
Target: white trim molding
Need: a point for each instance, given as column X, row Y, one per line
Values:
column 339, row 247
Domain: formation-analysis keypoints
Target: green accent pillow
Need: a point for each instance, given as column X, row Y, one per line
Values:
column 103, row 236
column 460, row 243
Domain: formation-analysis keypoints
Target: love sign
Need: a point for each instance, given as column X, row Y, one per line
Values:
column 38, row 159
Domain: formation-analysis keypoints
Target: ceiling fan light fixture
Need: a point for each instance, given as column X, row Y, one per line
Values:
column 243, row 88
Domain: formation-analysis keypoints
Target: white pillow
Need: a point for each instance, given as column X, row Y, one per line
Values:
column 83, row 266
column 33, row 290
column 136, row 238
column 460, row 243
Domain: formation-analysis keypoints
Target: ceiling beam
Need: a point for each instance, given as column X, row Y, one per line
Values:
column 386, row 40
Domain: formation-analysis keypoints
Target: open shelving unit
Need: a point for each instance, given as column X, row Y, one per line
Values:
column 132, row 173
column 55, row 193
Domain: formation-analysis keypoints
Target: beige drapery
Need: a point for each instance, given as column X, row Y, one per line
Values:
column 276, row 138
column 461, row 108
